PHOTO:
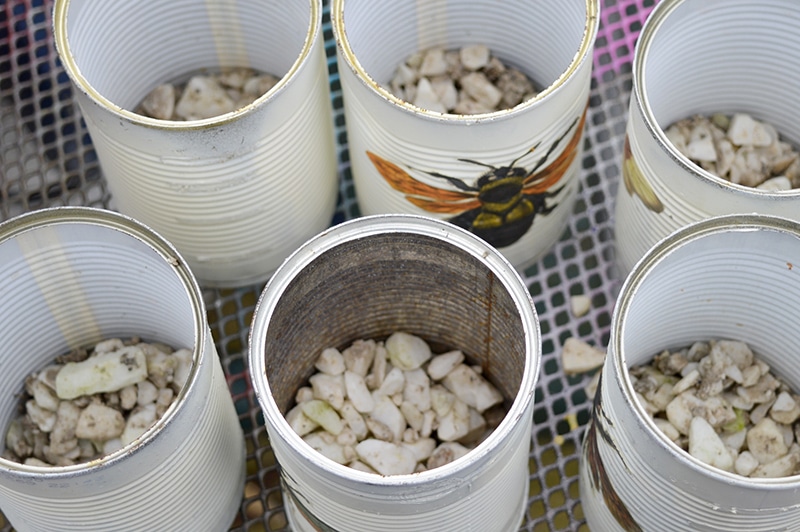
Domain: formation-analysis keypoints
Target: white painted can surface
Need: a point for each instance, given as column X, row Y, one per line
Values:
column 702, row 57
column 236, row 193
column 69, row 278
column 366, row 279
column 733, row 277
column 395, row 147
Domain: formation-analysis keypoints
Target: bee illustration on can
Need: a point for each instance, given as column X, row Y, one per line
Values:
column 502, row 203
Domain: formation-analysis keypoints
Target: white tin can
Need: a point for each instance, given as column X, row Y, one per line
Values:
column 368, row 278
column 236, row 193
column 703, row 57
column 509, row 176
column 731, row 277
column 71, row 277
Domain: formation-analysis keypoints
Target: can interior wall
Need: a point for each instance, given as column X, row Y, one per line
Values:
column 121, row 52
column 739, row 66
column 376, row 41
column 365, row 281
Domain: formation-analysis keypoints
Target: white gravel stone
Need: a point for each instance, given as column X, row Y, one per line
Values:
column 417, row 389
column 359, row 356
column 433, row 63
column 745, row 463
column 706, row 445
column 441, row 365
column 146, row 393
column 325, row 444
column 301, row 423
column 324, row 415
column 330, row 361
column 160, row 102
column 354, row 419
column 480, row 89
column 393, row 383
column 108, row 372
column 580, row 305
column 407, row 351
column 445, row 453
column 427, row 98
column 780, row 467
column 203, row 97
column 472, row 388
column 386, row 412
column 141, row 419
column 765, row 441
column 474, row 57
column 329, row 388
column 99, row 422
column 386, row 458
column 44, row 395
column 358, row 393
column 578, row 356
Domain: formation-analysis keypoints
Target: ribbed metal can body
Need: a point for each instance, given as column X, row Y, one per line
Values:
column 71, row 277
column 508, row 176
column 367, row 279
column 235, row 193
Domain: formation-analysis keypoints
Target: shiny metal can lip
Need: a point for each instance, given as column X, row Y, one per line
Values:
column 582, row 54
column 729, row 277
column 74, row 276
column 360, row 500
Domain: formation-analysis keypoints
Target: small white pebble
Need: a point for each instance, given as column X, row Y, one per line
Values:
column 407, row 351
column 441, row 365
column 706, row 445
column 745, row 463
column 578, row 356
column 386, row 458
column 330, row 361
column 580, row 305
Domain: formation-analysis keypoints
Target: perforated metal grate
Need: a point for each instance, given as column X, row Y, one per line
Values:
column 47, row 159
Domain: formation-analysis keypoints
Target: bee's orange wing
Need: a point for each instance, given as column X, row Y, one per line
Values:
column 426, row 197
column 540, row 182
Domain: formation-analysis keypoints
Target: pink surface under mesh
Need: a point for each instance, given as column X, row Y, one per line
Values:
column 620, row 23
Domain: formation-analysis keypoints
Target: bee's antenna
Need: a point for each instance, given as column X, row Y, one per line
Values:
column 552, row 148
column 485, row 165
column 515, row 161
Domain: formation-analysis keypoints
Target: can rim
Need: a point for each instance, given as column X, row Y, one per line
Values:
column 60, row 34
column 659, row 252
column 382, row 224
column 124, row 224
column 582, row 55
column 649, row 32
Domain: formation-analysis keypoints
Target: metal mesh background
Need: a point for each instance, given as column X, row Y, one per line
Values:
column 47, row 159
